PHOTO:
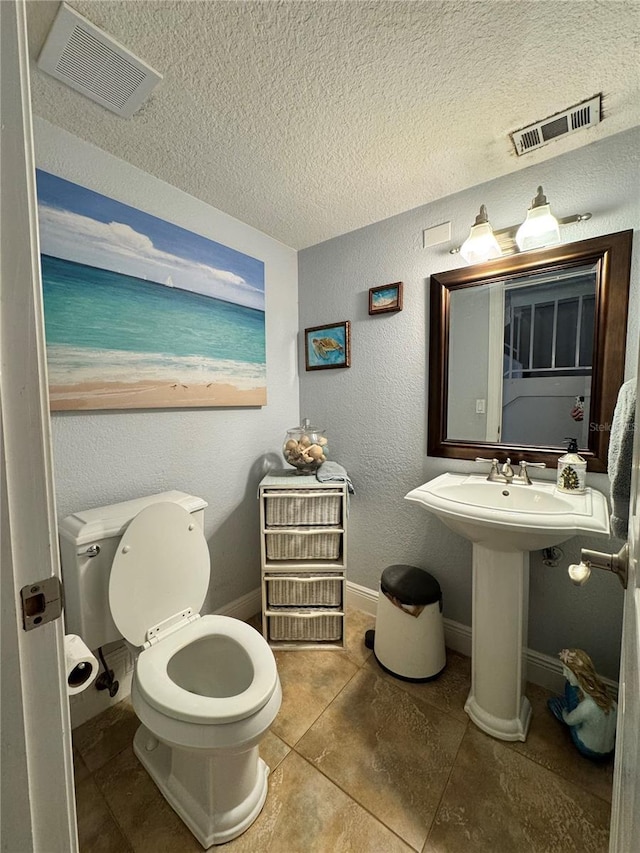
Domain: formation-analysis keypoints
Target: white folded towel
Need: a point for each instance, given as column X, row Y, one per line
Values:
column 620, row 457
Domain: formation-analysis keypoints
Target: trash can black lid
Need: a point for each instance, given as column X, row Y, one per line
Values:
column 410, row 585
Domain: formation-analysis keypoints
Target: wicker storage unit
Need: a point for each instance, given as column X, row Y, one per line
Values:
column 304, row 558
column 289, row 509
column 308, row 544
column 304, row 591
column 312, row 626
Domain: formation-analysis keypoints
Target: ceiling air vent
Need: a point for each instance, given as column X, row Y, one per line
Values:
column 91, row 62
column 585, row 114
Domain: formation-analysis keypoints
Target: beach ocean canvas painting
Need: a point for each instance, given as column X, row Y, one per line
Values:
column 141, row 313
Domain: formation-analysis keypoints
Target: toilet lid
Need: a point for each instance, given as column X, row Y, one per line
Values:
column 160, row 569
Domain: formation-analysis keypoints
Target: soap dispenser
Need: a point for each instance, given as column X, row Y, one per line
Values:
column 572, row 469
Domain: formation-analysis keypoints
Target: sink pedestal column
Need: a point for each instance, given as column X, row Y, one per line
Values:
column 497, row 703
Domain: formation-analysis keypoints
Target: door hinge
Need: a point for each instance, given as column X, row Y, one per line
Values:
column 41, row 602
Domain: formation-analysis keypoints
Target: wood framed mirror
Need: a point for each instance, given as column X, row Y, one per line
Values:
column 528, row 350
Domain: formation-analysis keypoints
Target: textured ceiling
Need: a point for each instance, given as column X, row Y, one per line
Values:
column 310, row 119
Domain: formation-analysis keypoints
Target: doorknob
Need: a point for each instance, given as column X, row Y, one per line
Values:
column 616, row 563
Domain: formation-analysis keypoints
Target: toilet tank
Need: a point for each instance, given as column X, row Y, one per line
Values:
column 88, row 543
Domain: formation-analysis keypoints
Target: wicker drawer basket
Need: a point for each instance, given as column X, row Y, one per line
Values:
column 305, row 591
column 303, row 544
column 287, row 509
column 312, row 626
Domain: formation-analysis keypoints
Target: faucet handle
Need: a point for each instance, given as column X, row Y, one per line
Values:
column 494, row 473
column 524, row 474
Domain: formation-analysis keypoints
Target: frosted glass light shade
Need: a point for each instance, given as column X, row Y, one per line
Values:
column 480, row 245
column 540, row 228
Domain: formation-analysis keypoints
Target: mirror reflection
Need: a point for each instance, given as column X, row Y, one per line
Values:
column 528, row 350
column 520, row 358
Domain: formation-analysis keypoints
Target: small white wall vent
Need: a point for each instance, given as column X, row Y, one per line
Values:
column 583, row 115
column 88, row 60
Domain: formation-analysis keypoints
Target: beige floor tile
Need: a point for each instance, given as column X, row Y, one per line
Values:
column 97, row 830
column 145, row 818
column 104, row 736
column 310, row 681
column 498, row 800
column 273, row 750
column 356, row 624
column 80, row 769
column 448, row 692
column 391, row 753
column 306, row 813
column 376, row 751
column 549, row 744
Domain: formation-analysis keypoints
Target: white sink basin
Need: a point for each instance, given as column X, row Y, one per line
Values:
column 511, row 517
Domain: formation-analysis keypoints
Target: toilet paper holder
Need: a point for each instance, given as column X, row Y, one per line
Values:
column 80, row 674
column 81, row 665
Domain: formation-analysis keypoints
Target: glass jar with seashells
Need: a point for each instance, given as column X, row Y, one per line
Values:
column 305, row 447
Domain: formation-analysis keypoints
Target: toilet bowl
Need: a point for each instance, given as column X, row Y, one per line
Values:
column 202, row 723
column 205, row 688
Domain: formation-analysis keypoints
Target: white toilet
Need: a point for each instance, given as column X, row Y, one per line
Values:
column 205, row 688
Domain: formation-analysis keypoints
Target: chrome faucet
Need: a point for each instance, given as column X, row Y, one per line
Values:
column 506, row 473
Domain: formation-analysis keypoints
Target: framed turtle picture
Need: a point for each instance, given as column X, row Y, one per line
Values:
column 328, row 346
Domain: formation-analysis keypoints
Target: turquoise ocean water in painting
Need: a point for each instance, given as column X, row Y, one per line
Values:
column 102, row 326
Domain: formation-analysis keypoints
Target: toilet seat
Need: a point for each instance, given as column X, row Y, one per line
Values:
column 158, row 582
column 163, row 694
column 160, row 573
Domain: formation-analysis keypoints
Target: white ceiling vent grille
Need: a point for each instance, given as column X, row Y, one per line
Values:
column 585, row 114
column 91, row 62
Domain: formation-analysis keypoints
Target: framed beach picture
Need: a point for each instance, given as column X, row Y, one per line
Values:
column 141, row 313
column 386, row 298
column 328, row 346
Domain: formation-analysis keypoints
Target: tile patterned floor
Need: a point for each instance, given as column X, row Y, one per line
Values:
column 365, row 763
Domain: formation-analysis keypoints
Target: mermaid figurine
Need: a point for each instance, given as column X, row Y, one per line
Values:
column 586, row 707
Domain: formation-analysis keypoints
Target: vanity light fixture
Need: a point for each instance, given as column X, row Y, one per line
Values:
column 540, row 228
column 481, row 244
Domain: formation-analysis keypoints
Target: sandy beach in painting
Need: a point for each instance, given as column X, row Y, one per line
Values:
column 149, row 395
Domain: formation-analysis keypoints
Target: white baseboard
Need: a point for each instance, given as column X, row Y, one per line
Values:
column 244, row 607
column 542, row 669
column 362, row 598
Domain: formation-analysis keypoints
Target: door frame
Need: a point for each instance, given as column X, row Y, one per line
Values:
column 38, row 803
column 625, row 807
column 39, row 815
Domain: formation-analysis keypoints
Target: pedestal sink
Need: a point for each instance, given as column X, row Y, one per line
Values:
column 504, row 523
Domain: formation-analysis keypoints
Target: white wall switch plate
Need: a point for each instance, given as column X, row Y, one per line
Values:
column 437, row 234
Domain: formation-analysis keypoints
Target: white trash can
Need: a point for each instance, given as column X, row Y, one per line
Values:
column 408, row 641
